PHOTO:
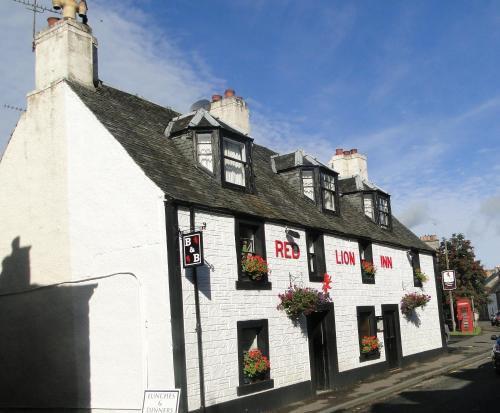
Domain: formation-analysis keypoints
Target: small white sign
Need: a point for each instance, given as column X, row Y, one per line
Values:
column 161, row 401
column 449, row 280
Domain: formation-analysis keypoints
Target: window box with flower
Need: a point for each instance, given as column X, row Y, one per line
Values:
column 370, row 347
column 368, row 271
column 420, row 276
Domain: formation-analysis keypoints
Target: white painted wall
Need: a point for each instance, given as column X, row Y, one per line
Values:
column 89, row 215
column 222, row 306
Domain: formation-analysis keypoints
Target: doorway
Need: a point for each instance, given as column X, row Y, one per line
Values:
column 392, row 335
column 322, row 348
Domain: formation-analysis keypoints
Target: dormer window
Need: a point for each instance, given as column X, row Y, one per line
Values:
column 377, row 207
column 328, row 191
column 204, row 151
column 234, row 162
column 308, row 184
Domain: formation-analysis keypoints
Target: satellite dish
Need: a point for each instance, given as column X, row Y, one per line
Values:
column 200, row 104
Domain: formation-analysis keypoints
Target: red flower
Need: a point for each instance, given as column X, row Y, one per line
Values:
column 327, row 280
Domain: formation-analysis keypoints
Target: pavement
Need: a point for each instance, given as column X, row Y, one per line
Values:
column 462, row 351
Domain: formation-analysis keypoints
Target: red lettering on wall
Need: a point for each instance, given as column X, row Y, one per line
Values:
column 385, row 262
column 279, row 248
column 287, row 250
column 345, row 257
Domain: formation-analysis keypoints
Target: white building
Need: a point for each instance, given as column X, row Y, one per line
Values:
column 95, row 306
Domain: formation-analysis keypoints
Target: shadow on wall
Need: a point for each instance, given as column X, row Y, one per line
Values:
column 44, row 340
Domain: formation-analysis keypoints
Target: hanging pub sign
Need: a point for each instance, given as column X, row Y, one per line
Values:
column 449, row 280
column 192, row 248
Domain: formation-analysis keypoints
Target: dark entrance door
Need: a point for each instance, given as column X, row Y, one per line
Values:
column 392, row 336
column 322, row 348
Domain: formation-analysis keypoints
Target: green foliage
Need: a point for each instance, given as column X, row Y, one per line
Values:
column 469, row 271
column 302, row 300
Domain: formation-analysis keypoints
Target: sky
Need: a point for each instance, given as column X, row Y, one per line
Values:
column 414, row 86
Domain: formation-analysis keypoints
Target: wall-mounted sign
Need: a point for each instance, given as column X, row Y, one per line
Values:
column 161, row 401
column 345, row 257
column 192, row 248
column 385, row 262
column 285, row 249
column 449, row 280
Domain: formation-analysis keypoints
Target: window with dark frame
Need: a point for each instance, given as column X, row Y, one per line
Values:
column 234, row 162
column 415, row 264
column 308, row 184
column 367, row 324
column 315, row 256
column 250, row 239
column 366, row 254
column 204, row 151
column 253, row 334
column 383, row 211
column 328, row 191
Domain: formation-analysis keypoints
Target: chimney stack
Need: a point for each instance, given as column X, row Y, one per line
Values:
column 349, row 163
column 231, row 109
column 66, row 49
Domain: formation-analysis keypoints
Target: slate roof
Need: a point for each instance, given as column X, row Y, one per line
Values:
column 295, row 159
column 138, row 125
column 356, row 184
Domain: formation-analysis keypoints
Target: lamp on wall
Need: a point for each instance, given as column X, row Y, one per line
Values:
column 291, row 233
column 380, row 323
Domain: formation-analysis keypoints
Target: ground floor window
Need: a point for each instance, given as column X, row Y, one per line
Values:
column 367, row 333
column 254, row 365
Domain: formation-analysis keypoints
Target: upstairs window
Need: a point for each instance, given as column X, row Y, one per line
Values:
column 415, row 264
column 368, row 206
column 250, row 241
column 204, row 153
column 366, row 258
column 235, row 161
column 315, row 256
column 328, row 191
column 383, row 211
column 308, row 184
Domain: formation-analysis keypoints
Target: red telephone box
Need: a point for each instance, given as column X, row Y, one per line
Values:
column 464, row 315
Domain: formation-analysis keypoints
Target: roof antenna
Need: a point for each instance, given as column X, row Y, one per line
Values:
column 35, row 8
column 14, row 108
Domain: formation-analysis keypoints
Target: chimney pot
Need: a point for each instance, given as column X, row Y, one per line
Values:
column 354, row 151
column 347, row 152
column 52, row 21
column 216, row 98
column 228, row 93
column 339, row 151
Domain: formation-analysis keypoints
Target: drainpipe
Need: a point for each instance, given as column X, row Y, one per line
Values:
column 198, row 323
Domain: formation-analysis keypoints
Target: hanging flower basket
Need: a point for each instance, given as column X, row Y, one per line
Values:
column 296, row 301
column 369, row 270
column 255, row 365
column 255, row 267
column 422, row 277
column 370, row 345
column 411, row 301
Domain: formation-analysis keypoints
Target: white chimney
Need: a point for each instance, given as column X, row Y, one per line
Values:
column 231, row 109
column 349, row 164
column 66, row 50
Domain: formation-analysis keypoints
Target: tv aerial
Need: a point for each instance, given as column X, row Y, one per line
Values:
column 35, row 8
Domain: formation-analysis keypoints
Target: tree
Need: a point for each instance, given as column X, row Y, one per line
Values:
column 469, row 272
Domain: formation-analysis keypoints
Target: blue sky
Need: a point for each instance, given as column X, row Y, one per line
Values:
column 413, row 85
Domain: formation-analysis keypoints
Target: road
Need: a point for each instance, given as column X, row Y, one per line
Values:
column 475, row 388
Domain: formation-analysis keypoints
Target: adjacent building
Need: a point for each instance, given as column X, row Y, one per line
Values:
column 97, row 188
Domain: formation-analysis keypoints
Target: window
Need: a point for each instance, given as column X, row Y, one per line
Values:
column 249, row 236
column 328, row 191
column 415, row 263
column 368, row 206
column 235, row 160
column 315, row 256
column 308, row 184
column 204, row 151
column 253, row 335
column 377, row 207
column 383, row 211
column 366, row 256
column 367, row 326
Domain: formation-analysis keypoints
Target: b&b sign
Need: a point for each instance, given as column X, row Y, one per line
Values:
column 192, row 244
column 449, row 280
